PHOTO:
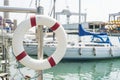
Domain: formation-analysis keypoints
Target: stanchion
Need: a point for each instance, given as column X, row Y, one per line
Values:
column 40, row 41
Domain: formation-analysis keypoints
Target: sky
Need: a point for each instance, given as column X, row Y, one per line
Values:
column 97, row 10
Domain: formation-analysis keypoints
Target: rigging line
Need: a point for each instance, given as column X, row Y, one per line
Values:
column 19, row 71
column 18, row 64
column 50, row 13
column 52, row 10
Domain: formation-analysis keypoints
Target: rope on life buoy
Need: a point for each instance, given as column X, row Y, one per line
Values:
column 21, row 54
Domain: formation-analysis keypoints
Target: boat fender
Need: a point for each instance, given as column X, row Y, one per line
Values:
column 94, row 53
column 110, row 51
column 21, row 54
column 80, row 52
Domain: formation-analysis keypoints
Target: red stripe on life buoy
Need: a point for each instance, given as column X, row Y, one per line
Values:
column 33, row 21
column 55, row 26
column 21, row 56
column 51, row 61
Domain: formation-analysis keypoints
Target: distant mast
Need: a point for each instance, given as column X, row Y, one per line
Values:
column 79, row 11
column 6, row 14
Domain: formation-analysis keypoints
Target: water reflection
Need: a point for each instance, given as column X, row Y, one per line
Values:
column 85, row 70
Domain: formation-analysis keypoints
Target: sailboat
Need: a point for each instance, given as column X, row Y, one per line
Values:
column 99, row 46
column 89, row 46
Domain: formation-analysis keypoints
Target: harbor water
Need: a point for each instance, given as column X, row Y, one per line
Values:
column 107, row 69
column 85, row 70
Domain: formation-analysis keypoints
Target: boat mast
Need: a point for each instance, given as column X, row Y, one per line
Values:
column 54, row 16
column 54, row 9
column 79, row 18
column 79, row 11
column 6, row 14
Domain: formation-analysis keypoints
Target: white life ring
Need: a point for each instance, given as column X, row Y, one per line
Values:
column 24, row 58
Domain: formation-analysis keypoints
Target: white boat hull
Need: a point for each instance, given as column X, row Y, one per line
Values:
column 79, row 52
column 87, row 52
column 84, row 50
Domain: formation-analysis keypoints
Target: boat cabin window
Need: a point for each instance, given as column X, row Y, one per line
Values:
column 93, row 45
column 97, row 26
column 94, row 26
column 90, row 26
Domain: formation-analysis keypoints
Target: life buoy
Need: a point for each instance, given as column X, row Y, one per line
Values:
column 24, row 58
